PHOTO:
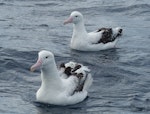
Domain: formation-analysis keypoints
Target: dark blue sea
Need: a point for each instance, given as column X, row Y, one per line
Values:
column 121, row 76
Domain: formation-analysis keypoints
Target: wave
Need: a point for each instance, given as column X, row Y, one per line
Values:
column 138, row 7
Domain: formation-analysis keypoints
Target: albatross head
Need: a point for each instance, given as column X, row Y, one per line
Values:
column 44, row 58
column 75, row 17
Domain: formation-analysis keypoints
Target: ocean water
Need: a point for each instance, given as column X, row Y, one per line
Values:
column 121, row 76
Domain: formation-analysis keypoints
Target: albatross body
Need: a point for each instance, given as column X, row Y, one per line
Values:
column 57, row 90
column 101, row 39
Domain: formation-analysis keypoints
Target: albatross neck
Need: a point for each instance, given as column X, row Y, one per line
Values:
column 50, row 75
column 79, row 28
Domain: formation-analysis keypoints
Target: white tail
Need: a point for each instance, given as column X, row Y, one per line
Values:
column 88, row 82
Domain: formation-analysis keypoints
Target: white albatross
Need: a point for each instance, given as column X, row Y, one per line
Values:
column 57, row 90
column 101, row 39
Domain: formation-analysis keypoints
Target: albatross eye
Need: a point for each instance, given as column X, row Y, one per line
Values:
column 76, row 16
column 46, row 57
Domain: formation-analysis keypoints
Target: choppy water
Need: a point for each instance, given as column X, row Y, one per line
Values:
column 121, row 76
